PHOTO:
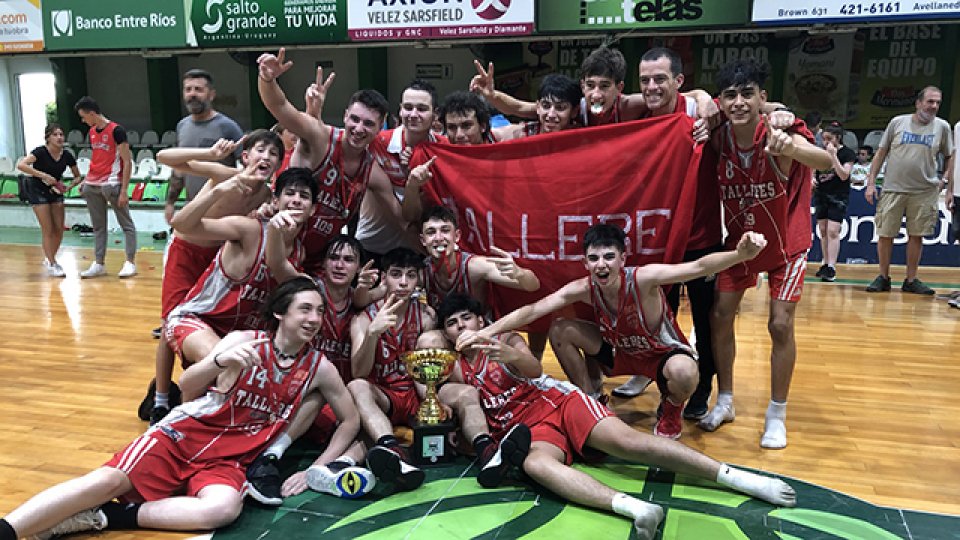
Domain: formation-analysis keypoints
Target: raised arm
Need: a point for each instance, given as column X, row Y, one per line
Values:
column 201, row 161
column 575, row 291
column 791, row 146
column 305, row 126
column 514, row 352
column 190, row 219
column 651, row 276
column 482, row 83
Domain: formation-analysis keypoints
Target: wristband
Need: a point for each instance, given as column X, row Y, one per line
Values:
column 785, row 109
column 218, row 363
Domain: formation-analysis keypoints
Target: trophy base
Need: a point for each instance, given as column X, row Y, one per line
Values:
column 430, row 444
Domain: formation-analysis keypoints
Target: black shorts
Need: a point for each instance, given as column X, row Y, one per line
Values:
column 605, row 357
column 830, row 206
column 35, row 192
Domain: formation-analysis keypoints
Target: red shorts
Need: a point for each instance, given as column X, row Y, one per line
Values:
column 157, row 471
column 786, row 281
column 403, row 404
column 178, row 329
column 323, row 426
column 568, row 426
column 186, row 262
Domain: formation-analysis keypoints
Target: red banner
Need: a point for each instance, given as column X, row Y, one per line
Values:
column 536, row 197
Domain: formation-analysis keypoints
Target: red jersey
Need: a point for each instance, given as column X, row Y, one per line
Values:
column 508, row 399
column 228, row 303
column 105, row 163
column 459, row 281
column 635, row 340
column 758, row 196
column 388, row 369
column 338, row 200
column 386, row 149
column 239, row 424
column 333, row 339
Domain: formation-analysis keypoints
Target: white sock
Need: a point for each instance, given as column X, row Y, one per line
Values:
column 721, row 412
column 279, row 446
column 161, row 399
column 646, row 516
column 775, row 426
column 772, row 490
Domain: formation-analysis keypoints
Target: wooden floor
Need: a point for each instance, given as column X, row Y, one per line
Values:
column 873, row 412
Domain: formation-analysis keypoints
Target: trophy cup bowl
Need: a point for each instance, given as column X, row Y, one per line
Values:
column 430, row 367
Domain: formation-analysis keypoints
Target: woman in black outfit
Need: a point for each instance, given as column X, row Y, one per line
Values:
column 44, row 191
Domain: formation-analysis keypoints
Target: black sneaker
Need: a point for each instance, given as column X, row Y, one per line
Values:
column 695, row 410
column 820, row 272
column 497, row 459
column 158, row 413
column 156, row 332
column 879, row 284
column 145, row 411
column 829, row 274
column 389, row 464
column 146, row 406
column 916, row 286
column 263, row 481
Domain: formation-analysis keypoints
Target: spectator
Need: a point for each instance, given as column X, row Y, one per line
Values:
column 911, row 187
column 831, row 196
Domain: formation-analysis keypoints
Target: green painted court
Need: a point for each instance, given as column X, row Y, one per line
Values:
column 451, row 505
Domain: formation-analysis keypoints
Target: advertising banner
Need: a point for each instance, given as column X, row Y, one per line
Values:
column 897, row 61
column 789, row 12
column 220, row 23
column 573, row 16
column 858, row 237
column 21, row 29
column 113, row 24
column 818, row 75
column 718, row 49
column 371, row 20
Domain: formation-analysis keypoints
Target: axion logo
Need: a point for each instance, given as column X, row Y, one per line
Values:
column 61, row 23
column 214, row 27
column 490, row 9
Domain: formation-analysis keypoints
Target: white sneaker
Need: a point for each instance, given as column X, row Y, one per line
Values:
column 346, row 482
column 55, row 270
column 88, row 520
column 129, row 270
column 632, row 388
column 95, row 270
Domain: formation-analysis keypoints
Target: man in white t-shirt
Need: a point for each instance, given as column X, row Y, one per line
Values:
column 911, row 186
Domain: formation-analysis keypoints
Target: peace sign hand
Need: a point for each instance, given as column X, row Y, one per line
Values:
column 387, row 317
column 270, row 67
column 482, row 82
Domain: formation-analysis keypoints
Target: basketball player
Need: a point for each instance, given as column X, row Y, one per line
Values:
column 186, row 472
column 764, row 176
column 634, row 331
column 564, row 422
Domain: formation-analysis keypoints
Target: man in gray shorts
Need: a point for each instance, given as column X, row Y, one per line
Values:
column 911, row 186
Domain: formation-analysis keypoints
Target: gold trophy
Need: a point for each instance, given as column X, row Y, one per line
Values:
column 430, row 367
